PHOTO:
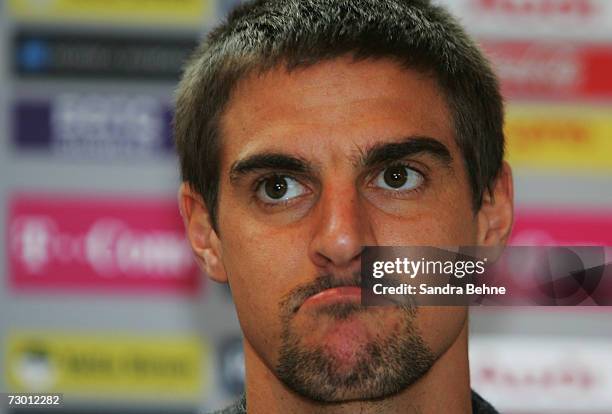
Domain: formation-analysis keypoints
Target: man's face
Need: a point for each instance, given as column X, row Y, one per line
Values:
column 316, row 164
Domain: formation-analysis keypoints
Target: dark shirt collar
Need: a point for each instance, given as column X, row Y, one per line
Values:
column 479, row 406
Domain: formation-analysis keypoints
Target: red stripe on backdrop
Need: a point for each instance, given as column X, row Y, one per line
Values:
column 99, row 244
column 543, row 227
column 552, row 70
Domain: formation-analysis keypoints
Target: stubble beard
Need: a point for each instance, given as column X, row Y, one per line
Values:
column 380, row 368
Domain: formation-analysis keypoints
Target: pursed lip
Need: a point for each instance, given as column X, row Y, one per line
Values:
column 334, row 295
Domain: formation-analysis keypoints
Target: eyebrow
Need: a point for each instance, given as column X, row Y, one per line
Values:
column 387, row 152
column 269, row 161
column 381, row 153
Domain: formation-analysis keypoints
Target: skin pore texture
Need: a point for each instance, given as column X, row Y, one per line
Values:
column 306, row 161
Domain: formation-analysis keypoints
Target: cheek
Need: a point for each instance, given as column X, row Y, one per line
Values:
column 254, row 282
column 257, row 253
column 428, row 227
column 262, row 265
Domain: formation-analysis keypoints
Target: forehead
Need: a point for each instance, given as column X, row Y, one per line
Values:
column 336, row 105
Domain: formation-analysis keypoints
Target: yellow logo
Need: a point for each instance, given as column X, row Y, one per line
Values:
column 97, row 364
column 559, row 137
column 158, row 12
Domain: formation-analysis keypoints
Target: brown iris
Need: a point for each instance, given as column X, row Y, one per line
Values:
column 396, row 176
column 276, row 187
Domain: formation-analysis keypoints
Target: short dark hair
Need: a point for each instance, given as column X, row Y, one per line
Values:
column 262, row 34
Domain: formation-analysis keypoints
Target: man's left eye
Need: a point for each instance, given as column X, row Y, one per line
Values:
column 398, row 178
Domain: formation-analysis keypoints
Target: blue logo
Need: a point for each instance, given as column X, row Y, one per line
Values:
column 34, row 55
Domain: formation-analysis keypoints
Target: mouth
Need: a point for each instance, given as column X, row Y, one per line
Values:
column 335, row 295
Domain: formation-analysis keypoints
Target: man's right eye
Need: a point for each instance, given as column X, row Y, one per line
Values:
column 279, row 189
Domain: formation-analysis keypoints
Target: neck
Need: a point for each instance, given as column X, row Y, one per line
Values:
column 445, row 388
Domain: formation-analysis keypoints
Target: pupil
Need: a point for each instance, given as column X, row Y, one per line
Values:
column 276, row 187
column 396, row 176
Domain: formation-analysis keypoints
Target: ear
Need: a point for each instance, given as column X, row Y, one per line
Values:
column 203, row 239
column 497, row 211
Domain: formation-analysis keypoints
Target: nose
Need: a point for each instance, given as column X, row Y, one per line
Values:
column 342, row 229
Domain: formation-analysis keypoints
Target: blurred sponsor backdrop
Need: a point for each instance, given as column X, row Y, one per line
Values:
column 100, row 297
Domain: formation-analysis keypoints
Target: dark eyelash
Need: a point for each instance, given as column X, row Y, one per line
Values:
column 259, row 181
column 404, row 164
